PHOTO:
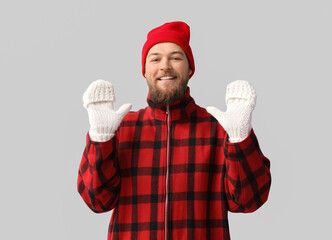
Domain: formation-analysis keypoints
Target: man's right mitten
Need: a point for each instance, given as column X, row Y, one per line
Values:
column 99, row 100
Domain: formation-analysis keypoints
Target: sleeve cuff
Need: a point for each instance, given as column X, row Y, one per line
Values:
column 238, row 150
column 107, row 140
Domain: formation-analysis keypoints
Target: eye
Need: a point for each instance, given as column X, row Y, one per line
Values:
column 154, row 60
column 177, row 58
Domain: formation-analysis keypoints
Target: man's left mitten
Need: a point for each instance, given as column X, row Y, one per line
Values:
column 240, row 102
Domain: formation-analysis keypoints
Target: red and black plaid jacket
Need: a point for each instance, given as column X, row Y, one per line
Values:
column 170, row 171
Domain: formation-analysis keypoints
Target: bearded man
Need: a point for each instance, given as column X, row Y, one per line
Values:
column 172, row 170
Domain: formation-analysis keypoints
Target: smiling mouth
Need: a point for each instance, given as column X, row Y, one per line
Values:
column 166, row 78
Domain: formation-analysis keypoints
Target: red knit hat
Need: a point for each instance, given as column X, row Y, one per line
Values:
column 176, row 32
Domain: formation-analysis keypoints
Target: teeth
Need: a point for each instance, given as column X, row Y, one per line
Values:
column 166, row 78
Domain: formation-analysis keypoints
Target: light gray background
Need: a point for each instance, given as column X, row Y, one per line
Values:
column 50, row 51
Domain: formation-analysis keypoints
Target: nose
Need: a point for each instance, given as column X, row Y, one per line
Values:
column 165, row 65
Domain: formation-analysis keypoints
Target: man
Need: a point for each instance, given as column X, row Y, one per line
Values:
column 172, row 170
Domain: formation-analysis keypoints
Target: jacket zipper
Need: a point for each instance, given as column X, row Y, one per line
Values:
column 167, row 162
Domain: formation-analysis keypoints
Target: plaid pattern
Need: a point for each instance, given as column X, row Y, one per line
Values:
column 207, row 176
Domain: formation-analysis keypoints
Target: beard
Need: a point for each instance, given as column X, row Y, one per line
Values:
column 169, row 95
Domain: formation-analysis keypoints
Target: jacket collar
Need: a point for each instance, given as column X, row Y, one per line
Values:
column 180, row 109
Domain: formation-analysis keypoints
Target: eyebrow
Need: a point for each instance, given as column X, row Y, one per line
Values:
column 172, row 53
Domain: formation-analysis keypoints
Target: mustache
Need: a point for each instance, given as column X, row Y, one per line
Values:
column 170, row 74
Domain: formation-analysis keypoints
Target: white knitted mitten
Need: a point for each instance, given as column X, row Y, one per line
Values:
column 98, row 99
column 240, row 102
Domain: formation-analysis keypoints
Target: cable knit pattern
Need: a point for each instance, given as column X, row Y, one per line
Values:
column 99, row 99
column 240, row 101
column 99, row 91
column 241, row 89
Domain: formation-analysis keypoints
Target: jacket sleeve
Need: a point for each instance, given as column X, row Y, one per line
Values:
column 98, row 177
column 247, row 175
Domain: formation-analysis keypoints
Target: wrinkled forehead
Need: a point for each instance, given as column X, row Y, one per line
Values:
column 165, row 48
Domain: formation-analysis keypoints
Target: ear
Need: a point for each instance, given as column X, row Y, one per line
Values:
column 190, row 71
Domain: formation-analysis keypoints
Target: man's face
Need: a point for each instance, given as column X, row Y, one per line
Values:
column 167, row 72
